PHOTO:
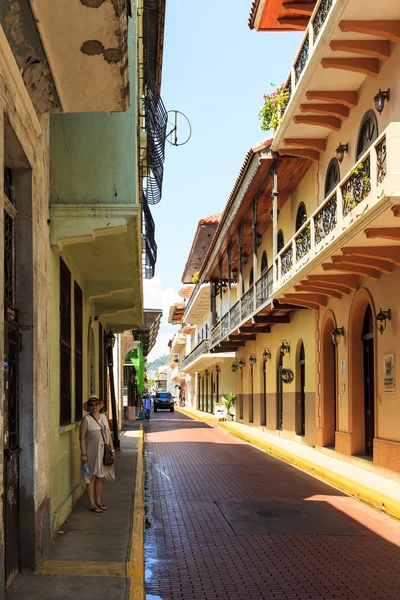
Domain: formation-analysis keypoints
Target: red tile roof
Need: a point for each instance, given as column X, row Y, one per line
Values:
column 253, row 11
column 213, row 219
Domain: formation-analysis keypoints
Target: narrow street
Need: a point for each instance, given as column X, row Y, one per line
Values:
column 227, row 521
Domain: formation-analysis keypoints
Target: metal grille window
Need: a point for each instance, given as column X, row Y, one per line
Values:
column 78, row 311
column 65, row 344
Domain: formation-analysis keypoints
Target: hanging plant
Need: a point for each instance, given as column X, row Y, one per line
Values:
column 273, row 110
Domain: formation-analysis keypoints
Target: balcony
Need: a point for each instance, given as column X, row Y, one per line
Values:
column 198, row 304
column 351, row 204
column 252, row 302
column 201, row 357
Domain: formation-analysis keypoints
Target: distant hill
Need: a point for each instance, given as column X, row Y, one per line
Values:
column 158, row 362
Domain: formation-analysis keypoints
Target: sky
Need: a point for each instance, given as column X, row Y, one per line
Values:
column 216, row 71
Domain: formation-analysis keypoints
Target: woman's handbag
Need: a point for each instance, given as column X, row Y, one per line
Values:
column 108, row 457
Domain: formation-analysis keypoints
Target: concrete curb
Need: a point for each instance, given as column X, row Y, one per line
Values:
column 135, row 565
column 190, row 413
column 384, row 503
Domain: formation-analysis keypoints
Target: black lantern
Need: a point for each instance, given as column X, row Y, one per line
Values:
column 380, row 98
column 206, row 372
column 266, row 354
column 252, row 360
column 341, row 151
column 224, row 287
column 285, row 348
column 381, row 318
column 217, row 368
column 336, row 333
column 245, row 258
column 234, row 367
column 258, row 239
column 110, row 339
column 242, row 363
column 235, row 274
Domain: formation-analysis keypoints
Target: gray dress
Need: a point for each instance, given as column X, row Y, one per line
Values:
column 95, row 449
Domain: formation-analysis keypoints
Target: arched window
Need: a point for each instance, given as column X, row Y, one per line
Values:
column 368, row 132
column 301, row 217
column 251, row 277
column 264, row 262
column 332, row 176
column 280, row 240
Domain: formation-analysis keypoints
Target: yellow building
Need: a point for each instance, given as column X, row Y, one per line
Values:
column 309, row 238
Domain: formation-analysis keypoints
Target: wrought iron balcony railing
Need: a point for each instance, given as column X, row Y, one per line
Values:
column 149, row 254
column 317, row 21
column 201, row 348
column 336, row 214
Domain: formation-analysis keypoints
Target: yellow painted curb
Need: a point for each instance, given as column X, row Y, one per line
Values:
column 194, row 415
column 384, row 503
column 82, row 569
column 135, row 566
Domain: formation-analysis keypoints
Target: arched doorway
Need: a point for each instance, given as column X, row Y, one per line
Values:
column 369, row 380
column 279, row 394
column 328, row 399
column 362, row 329
column 301, row 413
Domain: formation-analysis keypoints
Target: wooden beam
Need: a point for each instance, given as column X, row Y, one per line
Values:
column 389, row 253
column 366, row 66
column 335, row 287
column 304, row 304
column 297, row 24
column 314, row 144
column 300, row 153
column 381, row 265
column 241, row 338
column 386, row 233
column 300, row 8
column 347, row 98
column 317, row 290
column 319, row 299
column 224, row 349
column 350, row 281
column 252, row 329
column 375, row 48
column 228, row 342
column 282, row 304
column 389, row 30
column 320, row 121
column 395, row 209
column 334, row 110
column 367, row 272
column 270, row 319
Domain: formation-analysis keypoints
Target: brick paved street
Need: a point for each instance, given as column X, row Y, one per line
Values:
column 215, row 531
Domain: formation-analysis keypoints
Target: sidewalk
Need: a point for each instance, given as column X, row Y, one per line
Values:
column 97, row 556
column 375, row 486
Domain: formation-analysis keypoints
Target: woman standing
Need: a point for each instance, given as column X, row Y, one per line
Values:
column 94, row 432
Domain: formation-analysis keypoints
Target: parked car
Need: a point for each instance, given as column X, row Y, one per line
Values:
column 163, row 400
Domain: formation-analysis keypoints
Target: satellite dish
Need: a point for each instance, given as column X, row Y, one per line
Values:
column 177, row 121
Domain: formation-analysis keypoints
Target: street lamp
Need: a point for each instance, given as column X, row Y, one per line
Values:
column 110, row 343
column 340, row 152
column 336, row 333
column 380, row 99
column 252, row 360
column 381, row 318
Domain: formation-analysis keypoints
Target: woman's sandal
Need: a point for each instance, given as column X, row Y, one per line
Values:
column 102, row 507
column 96, row 509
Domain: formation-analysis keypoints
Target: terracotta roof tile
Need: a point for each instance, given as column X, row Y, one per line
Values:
column 253, row 11
column 213, row 219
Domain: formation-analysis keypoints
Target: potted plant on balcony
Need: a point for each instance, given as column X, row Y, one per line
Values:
column 195, row 277
column 229, row 401
column 273, row 110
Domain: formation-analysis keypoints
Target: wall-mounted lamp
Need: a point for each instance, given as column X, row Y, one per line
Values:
column 242, row 363
column 285, row 348
column 272, row 215
column 266, row 354
column 217, row 368
column 235, row 274
column 341, row 151
column 380, row 98
column 110, row 339
column 245, row 257
column 206, row 372
column 258, row 239
column 252, row 360
column 381, row 318
column 234, row 367
column 336, row 333
column 224, row 287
